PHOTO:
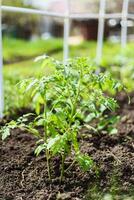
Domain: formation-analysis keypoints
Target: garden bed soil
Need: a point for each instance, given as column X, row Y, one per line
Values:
column 24, row 176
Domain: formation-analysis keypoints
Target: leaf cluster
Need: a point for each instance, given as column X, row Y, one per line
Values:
column 64, row 102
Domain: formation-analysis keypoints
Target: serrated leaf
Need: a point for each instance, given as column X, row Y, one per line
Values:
column 5, row 133
column 39, row 149
column 90, row 117
column 112, row 131
column 31, row 85
column 84, row 161
column 90, row 127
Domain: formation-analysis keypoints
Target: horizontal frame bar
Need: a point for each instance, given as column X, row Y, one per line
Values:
column 32, row 11
column 63, row 16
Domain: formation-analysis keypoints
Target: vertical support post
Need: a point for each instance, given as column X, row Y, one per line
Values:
column 66, row 33
column 101, row 24
column 1, row 67
column 124, row 23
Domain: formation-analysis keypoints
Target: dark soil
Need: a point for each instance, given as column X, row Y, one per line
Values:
column 24, row 176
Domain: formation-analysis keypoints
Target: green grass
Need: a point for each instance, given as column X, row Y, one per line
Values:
column 15, row 49
column 18, row 50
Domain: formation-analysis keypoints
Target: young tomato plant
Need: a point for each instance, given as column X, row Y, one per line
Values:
column 73, row 94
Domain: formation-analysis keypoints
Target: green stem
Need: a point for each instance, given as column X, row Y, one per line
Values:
column 75, row 142
column 45, row 116
column 48, row 165
column 45, row 138
column 76, row 99
column 62, row 166
column 70, row 166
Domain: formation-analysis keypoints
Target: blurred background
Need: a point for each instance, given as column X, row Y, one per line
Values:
column 26, row 36
column 32, row 27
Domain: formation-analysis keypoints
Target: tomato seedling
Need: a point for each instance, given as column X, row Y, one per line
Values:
column 65, row 101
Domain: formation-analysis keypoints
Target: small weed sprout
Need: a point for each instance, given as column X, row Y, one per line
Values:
column 64, row 102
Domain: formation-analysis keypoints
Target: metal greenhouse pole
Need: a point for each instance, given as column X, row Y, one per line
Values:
column 124, row 23
column 66, row 32
column 31, row 11
column 1, row 68
column 101, row 24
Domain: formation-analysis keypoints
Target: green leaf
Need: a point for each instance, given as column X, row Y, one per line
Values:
column 34, row 131
column 90, row 117
column 84, row 161
column 40, row 148
column 5, row 133
column 57, row 144
column 53, row 142
column 90, row 127
column 112, row 130
column 31, row 85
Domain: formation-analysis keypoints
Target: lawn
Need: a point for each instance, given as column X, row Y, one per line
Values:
column 15, row 50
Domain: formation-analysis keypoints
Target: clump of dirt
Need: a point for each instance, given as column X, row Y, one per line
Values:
column 23, row 176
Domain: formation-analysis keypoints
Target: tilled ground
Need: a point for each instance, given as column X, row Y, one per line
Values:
column 24, row 176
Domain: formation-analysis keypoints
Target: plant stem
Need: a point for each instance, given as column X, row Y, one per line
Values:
column 70, row 166
column 48, row 164
column 62, row 167
column 45, row 137
column 77, row 95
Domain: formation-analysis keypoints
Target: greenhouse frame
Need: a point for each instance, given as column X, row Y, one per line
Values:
column 66, row 17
